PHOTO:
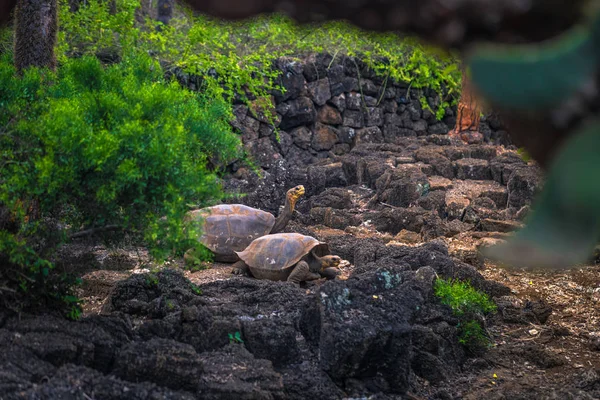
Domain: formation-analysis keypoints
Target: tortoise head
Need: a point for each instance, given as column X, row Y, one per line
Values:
column 330, row 261
column 294, row 194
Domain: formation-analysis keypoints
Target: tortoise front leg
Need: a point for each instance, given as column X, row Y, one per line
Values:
column 302, row 273
column 330, row 273
column 240, row 268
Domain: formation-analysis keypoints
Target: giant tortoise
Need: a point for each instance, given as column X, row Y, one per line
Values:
column 227, row 228
column 288, row 257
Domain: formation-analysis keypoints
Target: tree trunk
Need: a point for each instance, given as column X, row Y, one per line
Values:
column 35, row 34
column 468, row 113
column 468, row 116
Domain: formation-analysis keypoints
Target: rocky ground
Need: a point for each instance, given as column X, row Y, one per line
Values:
column 399, row 215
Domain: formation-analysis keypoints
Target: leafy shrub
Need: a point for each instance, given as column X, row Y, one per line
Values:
column 466, row 303
column 95, row 147
column 236, row 58
column 462, row 297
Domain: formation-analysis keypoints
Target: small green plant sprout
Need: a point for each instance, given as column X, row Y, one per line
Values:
column 151, row 279
column 472, row 335
column 74, row 307
column 195, row 289
column 523, row 154
column 462, row 297
column 235, row 337
column 170, row 305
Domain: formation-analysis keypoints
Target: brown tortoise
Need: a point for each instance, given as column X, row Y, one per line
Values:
column 228, row 228
column 287, row 256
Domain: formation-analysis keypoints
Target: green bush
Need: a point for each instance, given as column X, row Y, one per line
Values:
column 466, row 302
column 462, row 297
column 94, row 146
column 239, row 55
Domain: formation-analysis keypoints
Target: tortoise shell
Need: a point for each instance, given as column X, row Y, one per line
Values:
column 274, row 256
column 228, row 228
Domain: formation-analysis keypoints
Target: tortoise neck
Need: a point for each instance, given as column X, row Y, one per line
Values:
column 284, row 217
column 315, row 263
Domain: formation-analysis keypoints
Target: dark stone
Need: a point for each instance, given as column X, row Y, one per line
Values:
column 373, row 116
column 338, row 198
column 369, row 135
column 286, row 141
column 319, row 91
column 491, row 225
column 292, row 80
column 434, row 201
column 315, row 384
column 541, row 357
column 420, row 126
column 329, row 115
column 347, row 135
column 325, row 176
column 439, row 128
column 302, row 137
column 350, row 84
column 250, row 128
column 354, row 101
column 369, row 170
column 405, row 120
column 77, row 382
column 471, row 168
column 341, row 148
column 456, row 226
column 369, row 88
column 504, row 165
column 357, row 348
column 499, row 195
column 315, row 67
column 401, row 187
column 479, row 152
column 333, row 218
column 166, row 362
column 392, row 133
column 440, row 140
column 264, row 152
column 390, row 106
column 273, row 340
column 324, row 137
column 434, row 156
column 415, row 110
column 395, row 220
column 429, row 117
column 433, row 227
column 354, row 119
column 336, row 79
column 148, row 294
column 339, row 102
column 540, row 309
column 298, row 156
column 523, row 185
column 254, row 378
column 301, row 112
column 391, row 119
column 265, row 130
column 239, row 111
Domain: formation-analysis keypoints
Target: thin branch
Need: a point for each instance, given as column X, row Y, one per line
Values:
column 91, row 231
